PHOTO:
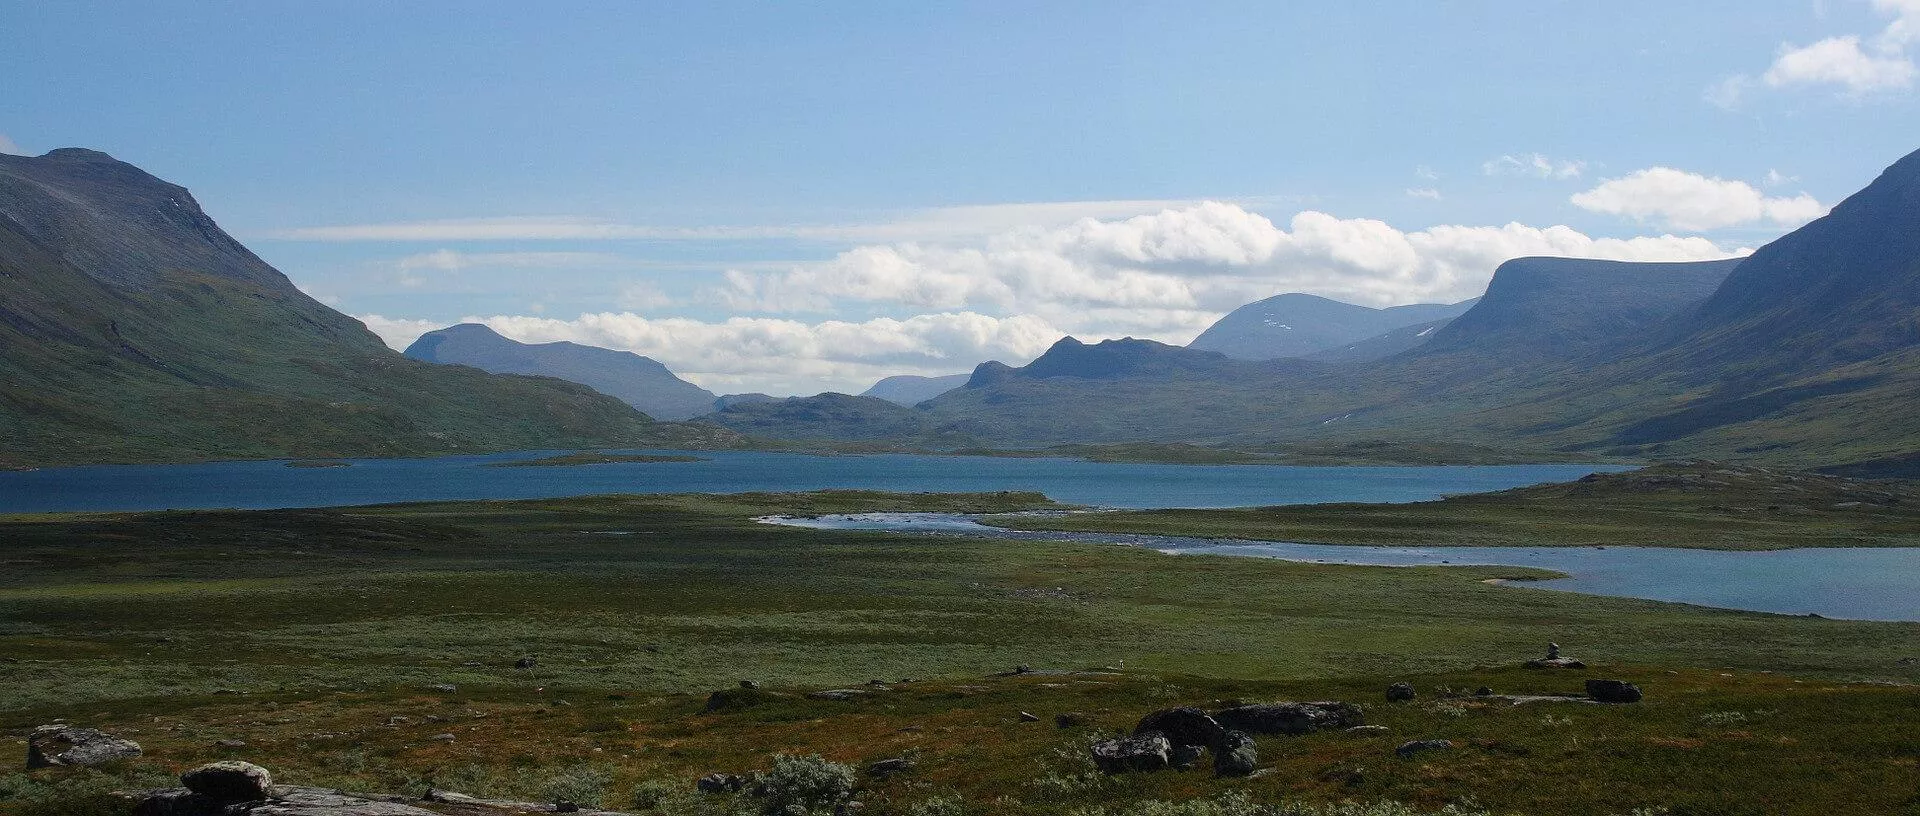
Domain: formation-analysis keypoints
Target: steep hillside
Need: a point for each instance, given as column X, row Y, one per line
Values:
column 907, row 389
column 638, row 381
column 1300, row 325
column 133, row 329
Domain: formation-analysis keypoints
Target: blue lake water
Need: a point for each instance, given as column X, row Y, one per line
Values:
column 254, row 485
column 1860, row 583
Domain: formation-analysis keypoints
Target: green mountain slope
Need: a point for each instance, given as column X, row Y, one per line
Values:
column 133, row 329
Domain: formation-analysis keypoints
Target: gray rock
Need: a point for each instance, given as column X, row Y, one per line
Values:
column 177, row 802
column 525, row 663
column 836, row 694
column 1368, row 729
column 749, row 684
column 1291, row 718
column 889, row 767
column 1070, row 719
column 1141, row 752
column 444, row 688
column 229, row 781
column 319, row 802
column 1237, row 755
column 720, row 783
column 1613, row 691
column 1182, row 726
column 1401, row 692
column 1408, row 749
column 1555, row 663
column 51, row 745
column 1026, row 717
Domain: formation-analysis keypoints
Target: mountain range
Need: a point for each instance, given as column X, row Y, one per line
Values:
column 1805, row 352
column 132, row 328
column 638, row 381
column 909, row 389
column 1301, row 325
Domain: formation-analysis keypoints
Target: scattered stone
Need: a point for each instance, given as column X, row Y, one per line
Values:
column 441, row 738
column 51, row 745
column 889, row 767
column 1291, row 718
column 176, row 802
column 876, row 682
column 525, row 663
column 1141, row 752
column 564, row 806
column 1613, row 691
column 1483, row 691
column 1184, row 756
column 1026, row 717
column 720, row 783
column 1237, row 755
column 1023, row 669
column 1368, row 729
column 1555, row 663
column 1553, row 651
column 836, row 694
column 1408, row 749
column 749, row 684
column 1401, row 692
column 444, row 688
column 1070, row 719
column 1182, row 726
column 229, row 782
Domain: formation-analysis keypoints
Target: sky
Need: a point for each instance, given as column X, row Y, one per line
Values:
column 797, row 197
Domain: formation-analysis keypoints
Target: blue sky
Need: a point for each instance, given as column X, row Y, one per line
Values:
column 796, row 197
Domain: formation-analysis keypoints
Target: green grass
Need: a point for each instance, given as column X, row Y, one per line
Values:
column 1706, row 506
column 325, row 624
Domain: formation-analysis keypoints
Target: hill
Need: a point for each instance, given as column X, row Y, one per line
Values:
column 638, row 381
column 908, row 389
column 1301, row 325
column 133, row 329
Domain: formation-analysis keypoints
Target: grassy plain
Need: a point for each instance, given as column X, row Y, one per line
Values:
column 316, row 636
column 1706, row 506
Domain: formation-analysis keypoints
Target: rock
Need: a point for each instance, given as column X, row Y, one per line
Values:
column 1026, row 717
column 836, row 694
column 1408, row 749
column 889, row 767
column 720, row 783
column 1070, row 719
column 749, row 684
column 1401, row 692
column 1184, row 756
column 441, row 738
column 444, row 688
column 1483, row 691
column 1553, row 651
column 1237, row 755
column 177, row 802
column 1141, row 752
column 1182, row 726
column 230, row 743
column 564, row 806
column 1613, row 691
column 1022, row 669
column 229, row 782
column 1291, row 718
column 319, row 802
column 1368, row 729
column 525, row 663
column 1555, row 663
column 51, row 745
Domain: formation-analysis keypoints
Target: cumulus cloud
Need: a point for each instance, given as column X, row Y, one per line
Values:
column 1681, row 200
column 1428, row 193
column 776, row 355
column 1535, row 165
column 1198, row 260
column 1856, row 66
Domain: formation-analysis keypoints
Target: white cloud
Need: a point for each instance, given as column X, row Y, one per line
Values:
column 9, row 147
column 642, row 296
column 1423, row 192
column 1855, row 66
column 1681, row 200
column 1776, row 178
column 1425, row 173
column 774, row 355
column 1535, row 165
column 1839, row 61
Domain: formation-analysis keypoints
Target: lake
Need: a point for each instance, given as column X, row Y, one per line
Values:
column 271, row 484
column 1860, row 583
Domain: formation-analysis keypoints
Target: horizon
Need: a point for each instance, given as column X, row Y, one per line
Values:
column 790, row 201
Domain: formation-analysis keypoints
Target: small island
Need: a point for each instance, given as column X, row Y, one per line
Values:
column 592, row 458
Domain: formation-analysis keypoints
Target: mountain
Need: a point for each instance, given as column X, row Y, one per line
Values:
column 132, row 328
column 910, row 390
column 829, row 416
column 1380, row 346
column 638, row 381
column 1300, row 325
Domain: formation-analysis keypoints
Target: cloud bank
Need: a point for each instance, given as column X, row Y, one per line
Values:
column 1676, row 199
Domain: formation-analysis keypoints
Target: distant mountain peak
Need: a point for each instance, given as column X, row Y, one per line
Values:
column 639, row 381
column 1297, row 324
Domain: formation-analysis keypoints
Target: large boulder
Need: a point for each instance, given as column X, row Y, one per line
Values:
column 1409, row 748
column 51, row 745
column 1613, row 691
column 1401, row 692
column 1140, row 752
column 229, row 781
column 1182, row 726
column 1291, row 718
column 177, row 802
column 1236, row 756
